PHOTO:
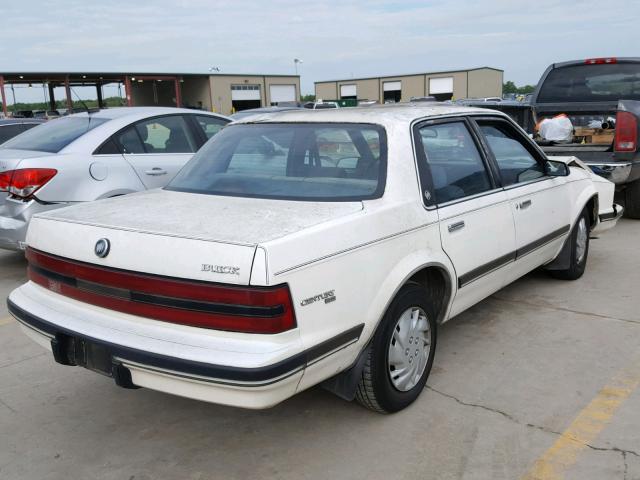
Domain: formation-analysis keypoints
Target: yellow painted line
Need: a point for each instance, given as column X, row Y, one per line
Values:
column 6, row 321
column 586, row 427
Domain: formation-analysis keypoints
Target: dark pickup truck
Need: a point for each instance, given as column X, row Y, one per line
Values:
column 601, row 97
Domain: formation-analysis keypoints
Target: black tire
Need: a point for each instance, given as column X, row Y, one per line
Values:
column 576, row 265
column 632, row 200
column 376, row 390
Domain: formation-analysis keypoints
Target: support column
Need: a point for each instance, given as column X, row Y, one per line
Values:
column 4, row 97
column 99, row 94
column 52, row 97
column 127, row 91
column 178, row 93
column 67, row 90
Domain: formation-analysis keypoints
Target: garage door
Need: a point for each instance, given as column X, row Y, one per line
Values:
column 440, row 85
column 348, row 91
column 391, row 86
column 282, row 93
column 245, row 92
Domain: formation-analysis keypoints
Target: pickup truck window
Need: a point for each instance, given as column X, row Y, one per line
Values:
column 515, row 162
column 330, row 162
column 591, row 83
column 456, row 167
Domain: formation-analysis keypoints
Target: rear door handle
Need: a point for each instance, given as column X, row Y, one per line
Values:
column 455, row 226
column 156, row 172
column 525, row 204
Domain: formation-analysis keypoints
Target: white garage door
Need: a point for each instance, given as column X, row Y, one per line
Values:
column 391, row 86
column 245, row 92
column 348, row 91
column 440, row 85
column 282, row 93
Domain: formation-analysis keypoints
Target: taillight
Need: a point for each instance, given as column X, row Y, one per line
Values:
column 626, row 136
column 5, row 179
column 600, row 61
column 193, row 303
column 26, row 181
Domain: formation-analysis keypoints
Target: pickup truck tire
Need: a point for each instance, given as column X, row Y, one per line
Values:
column 579, row 250
column 632, row 200
column 405, row 342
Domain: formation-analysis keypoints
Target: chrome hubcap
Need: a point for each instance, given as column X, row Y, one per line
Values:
column 409, row 349
column 581, row 240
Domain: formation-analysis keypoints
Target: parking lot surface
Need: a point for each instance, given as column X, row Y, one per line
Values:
column 538, row 381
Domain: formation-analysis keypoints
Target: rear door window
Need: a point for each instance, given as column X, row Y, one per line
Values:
column 166, row 135
column 454, row 162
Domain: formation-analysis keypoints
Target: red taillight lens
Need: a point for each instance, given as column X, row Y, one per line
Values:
column 198, row 304
column 5, row 180
column 626, row 136
column 600, row 61
column 26, row 181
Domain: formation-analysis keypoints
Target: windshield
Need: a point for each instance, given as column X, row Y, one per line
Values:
column 331, row 162
column 54, row 135
column 592, row 83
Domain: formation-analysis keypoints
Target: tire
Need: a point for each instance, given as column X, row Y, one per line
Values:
column 579, row 250
column 632, row 200
column 380, row 389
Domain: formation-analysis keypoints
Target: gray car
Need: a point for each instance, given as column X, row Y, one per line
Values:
column 94, row 155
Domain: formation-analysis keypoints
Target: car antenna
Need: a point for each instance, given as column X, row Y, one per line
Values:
column 89, row 110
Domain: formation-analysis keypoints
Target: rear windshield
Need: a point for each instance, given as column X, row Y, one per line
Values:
column 592, row 83
column 331, row 162
column 53, row 135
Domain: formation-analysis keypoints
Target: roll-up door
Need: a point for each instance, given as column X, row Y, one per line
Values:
column 282, row 93
column 348, row 91
column 440, row 85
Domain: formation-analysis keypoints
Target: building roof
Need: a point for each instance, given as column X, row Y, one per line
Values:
column 92, row 76
column 409, row 75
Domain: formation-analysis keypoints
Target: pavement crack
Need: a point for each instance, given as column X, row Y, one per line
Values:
column 568, row 310
column 623, row 451
column 8, row 406
column 22, row 360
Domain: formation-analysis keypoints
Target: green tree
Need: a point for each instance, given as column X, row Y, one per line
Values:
column 511, row 87
column 307, row 98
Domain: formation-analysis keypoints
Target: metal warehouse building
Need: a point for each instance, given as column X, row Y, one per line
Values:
column 455, row 84
column 223, row 93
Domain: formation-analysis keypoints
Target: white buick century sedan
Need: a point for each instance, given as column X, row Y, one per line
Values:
column 307, row 247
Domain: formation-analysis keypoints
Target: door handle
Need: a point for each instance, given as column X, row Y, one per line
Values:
column 455, row 226
column 156, row 172
column 525, row 204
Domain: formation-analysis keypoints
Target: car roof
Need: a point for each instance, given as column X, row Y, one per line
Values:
column 379, row 114
column 9, row 121
column 138, row 112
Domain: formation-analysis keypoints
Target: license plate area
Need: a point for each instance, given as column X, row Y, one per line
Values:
column 69, row 350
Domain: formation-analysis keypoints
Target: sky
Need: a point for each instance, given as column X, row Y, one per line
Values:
column 335, row 39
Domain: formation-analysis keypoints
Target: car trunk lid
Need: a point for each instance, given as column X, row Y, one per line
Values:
column 176, row 234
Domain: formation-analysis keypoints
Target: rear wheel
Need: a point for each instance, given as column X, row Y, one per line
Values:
column 632, row 200
column 579, row 250
column 400, row 356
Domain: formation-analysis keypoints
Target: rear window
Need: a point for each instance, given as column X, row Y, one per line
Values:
column 54, row 135
column 331, row 162
column 592, row 83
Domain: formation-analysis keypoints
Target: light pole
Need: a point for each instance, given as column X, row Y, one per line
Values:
column 296, row 61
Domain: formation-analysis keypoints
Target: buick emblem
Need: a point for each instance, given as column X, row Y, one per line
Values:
column 102, row 247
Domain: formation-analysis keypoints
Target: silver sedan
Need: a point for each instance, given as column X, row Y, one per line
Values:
column 94, row 155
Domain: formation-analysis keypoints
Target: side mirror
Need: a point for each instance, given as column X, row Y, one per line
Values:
column 556, row 169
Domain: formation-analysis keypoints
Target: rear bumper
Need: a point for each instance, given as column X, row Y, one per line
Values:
column 616, row 172
column 172, row 363
column 14, row 221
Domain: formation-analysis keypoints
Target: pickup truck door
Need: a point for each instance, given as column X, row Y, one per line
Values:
column 157, row 148
column 539, row 202
column 476, row 224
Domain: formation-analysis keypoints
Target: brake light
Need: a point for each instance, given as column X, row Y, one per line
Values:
column 26, row 181
column 626, row 136
column 600, row 61
column 5, row 179
column 185, row 302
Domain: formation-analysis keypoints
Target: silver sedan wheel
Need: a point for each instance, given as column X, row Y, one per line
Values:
column 581, row 240
column 409, row 349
